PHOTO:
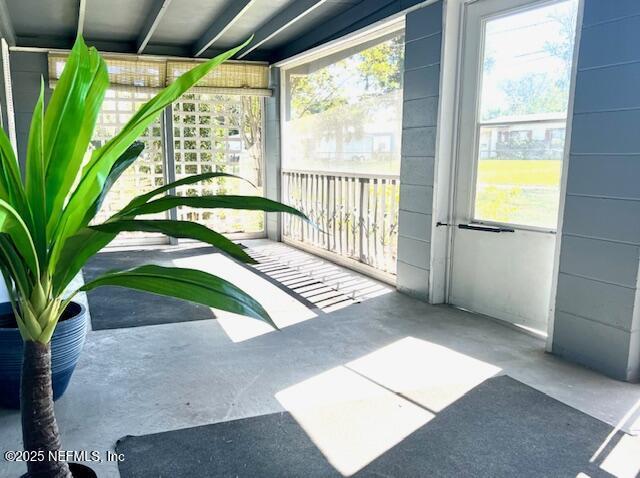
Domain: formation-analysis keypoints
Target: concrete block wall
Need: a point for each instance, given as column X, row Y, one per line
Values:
column 26, row 70
column 272, row 158
column 597, row 308
column 419, row 127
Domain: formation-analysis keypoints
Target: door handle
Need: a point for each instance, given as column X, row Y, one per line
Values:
column 485, row 228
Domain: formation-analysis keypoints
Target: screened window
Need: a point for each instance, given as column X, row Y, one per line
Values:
column 524, row 96
column 344, row 111
column 341, row 151
column 215, row 133
column 147, row 172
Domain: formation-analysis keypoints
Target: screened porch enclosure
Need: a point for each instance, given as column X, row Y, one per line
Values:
column 341, row 149
column 216, row 127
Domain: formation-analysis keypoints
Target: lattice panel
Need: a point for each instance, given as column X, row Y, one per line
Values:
column 147, row 172
column 220, row 133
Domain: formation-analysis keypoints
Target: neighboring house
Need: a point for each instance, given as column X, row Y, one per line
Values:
column 535, row 136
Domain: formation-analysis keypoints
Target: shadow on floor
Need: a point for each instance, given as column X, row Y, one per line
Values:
column 117, row 307
column 501, row 428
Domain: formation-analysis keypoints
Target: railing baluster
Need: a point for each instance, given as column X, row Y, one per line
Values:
column 383, row 222
column 375, row 222
column 393, row 220
column 361, row 182
column 357, row 214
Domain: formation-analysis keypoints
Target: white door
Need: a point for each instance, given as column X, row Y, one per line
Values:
column 516, row 64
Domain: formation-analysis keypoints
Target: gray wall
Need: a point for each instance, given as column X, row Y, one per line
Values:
column 26, row 70
column 596, row 318
column 272, row 152
column 419, row 126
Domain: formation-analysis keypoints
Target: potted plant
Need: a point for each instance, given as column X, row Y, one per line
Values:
column 66, row 344
column 46, row 234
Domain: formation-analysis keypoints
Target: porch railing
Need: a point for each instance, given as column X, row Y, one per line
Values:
column 358, row 214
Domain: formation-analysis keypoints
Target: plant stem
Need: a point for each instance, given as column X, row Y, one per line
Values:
column 39, row 428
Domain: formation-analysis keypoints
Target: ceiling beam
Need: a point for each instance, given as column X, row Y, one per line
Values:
column 158, row 10
column 6, row 27
column 82, row 9
column 221, row 24
column 287, row 17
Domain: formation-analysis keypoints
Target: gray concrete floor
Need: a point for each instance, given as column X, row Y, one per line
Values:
column 349, row 364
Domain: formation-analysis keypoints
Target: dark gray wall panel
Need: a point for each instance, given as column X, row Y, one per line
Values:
column 608, row 43
column 598, row 11
column 595, row 345
column 416, row 198
column 417, row 170
column 600, row 218
column 414, row 252
column 26, row 70
column 609, row 176
column 422, row 83
column 423, row 52
column 424, row 22
column 413, row 280
column 423, row 45
column 601, row 260
column 606, row 133
column 596, row 323
column 419, row 141
column 420, row 112
column 415, row 225
column 608, row 304
column 621, row 91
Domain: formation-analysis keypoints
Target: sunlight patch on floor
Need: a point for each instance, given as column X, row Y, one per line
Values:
column 624, row 459
column 351, row 420
column 356, row 412
column 430, row 374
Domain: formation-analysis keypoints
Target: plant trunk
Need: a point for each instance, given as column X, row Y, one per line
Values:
column 39, row 428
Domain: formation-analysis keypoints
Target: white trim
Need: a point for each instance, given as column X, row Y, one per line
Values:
column 359, row 36
column 444, row 164
column 82, row 10
column 564, row 179
column 11, row 119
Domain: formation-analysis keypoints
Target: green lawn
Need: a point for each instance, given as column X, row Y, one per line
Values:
column 518, row 191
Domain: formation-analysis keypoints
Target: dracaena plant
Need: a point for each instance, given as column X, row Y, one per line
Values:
column 47, row 235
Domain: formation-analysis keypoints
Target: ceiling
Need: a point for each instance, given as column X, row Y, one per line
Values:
column 189, row 28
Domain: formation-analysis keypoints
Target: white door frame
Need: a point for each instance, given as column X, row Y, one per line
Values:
column 455, row 18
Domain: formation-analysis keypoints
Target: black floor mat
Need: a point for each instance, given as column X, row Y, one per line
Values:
column 116, row 307
column 502, row 428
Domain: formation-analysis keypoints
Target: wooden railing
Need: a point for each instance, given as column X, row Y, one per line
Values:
column 357, row 214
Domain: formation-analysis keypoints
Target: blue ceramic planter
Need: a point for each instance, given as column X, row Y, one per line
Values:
column 66, row 345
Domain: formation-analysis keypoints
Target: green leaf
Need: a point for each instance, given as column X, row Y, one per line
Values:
column 95, row 172
column 122, row 163
column 182, row 229
column 188, row 284
column 69, row 123
column 11, row 189
column 12, row 223
column 14, row 265
column 74, row 254
column 196, row 178
column 251, row 203
column 35, row 182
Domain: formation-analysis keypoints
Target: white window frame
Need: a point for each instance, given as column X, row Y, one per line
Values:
column 534, row 4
